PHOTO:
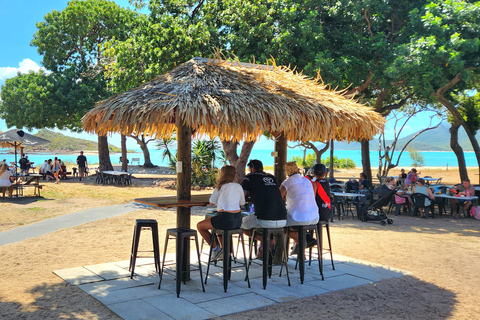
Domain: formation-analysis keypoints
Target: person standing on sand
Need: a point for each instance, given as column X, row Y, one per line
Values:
column 82, row 164
column 56, row 169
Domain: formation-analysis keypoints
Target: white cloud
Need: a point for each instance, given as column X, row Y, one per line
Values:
column 25, row 66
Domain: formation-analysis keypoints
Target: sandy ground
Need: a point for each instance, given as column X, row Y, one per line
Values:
column 442, row 255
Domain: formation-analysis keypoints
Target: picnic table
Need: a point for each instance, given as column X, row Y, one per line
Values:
column 201, row 200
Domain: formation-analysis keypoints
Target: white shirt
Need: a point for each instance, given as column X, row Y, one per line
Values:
column 301, row 205
column 229, row 198
column 44, row 167
column 5, row 179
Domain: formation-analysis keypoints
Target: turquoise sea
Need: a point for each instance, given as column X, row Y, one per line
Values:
column 432, row 158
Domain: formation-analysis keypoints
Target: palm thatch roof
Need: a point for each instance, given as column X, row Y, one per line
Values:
column 235, row 101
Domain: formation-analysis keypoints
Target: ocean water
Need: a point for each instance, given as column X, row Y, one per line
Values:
column 432, row 158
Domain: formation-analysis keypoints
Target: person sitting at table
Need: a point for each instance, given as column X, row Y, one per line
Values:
column 228, row 196
column 44, row 167
column 364, row 182
column 465, row 189
column 49, row 171
column 270, row 211
column 420, row 188
column 5, row 181
column 302, row 209
column 389, row 185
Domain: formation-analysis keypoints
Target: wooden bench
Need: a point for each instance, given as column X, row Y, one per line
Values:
column 64, row 173
column 36, row 187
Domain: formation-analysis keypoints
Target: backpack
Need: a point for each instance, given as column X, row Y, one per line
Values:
column 475, row 212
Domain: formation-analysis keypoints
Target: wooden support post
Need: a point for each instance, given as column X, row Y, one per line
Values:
column 281, row 158
column 123, row 144
column 280, row 175
column 184, row 183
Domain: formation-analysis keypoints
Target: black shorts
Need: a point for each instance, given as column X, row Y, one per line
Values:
column 227, row 220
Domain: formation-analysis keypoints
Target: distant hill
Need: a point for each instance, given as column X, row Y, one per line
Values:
column 62, row 144
column 433, row 140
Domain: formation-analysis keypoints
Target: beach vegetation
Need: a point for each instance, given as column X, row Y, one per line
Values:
column 307, row 162
column 417, row 158
column 342, row 163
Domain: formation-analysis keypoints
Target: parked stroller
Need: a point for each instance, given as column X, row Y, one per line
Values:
column 375, row 212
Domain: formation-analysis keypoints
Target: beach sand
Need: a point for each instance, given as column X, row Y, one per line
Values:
column 442, row 255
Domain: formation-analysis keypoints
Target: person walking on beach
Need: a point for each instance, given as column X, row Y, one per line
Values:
column 82, row 164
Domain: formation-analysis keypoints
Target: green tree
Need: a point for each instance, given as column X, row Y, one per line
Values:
column 352, row 43
column 173, row 32
column 309, row 162
column 417, row 158
column 343, row 163
column 441, row 58
column 68, row 41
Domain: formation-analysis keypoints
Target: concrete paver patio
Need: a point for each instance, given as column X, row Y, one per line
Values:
column 140, row 298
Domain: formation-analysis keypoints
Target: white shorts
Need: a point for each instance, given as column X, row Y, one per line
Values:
column 251, row 221
column 291, row 222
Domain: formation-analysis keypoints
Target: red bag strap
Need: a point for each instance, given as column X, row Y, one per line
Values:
column 323, row 195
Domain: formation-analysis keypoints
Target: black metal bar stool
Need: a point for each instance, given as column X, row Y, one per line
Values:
column 302, row 237
column 267, row 259
column 321, row 225
column 227, row 253
column 182, row 235
column 144, row 224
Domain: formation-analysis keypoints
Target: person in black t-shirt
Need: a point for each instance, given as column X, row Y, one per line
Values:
column 23, row 164
column 270, row 211
column 82, row 164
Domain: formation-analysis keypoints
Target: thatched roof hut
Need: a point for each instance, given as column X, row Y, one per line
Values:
column 235, row 101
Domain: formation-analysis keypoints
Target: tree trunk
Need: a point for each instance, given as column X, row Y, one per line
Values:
column 366, row 166
column 458, row 121
column 239, row 162
column 332, row 169
column 104, row 154
column 475, row 145
column 146, row 153
column 320, row 152
column 124, row 153
column 457, row 149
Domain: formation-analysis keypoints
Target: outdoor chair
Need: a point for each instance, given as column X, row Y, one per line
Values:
column 321, row 225
column 419, row 202
column 227, row 253
column 267, row 258
column 302, row 237
column 144, row 224
column 182, row 235
column 337, row 202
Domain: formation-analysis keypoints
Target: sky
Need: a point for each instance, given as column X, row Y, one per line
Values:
column 18, row 20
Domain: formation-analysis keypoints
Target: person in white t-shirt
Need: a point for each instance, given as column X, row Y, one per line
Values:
column 302, row 209
column 228, row 196
column 5, row 181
